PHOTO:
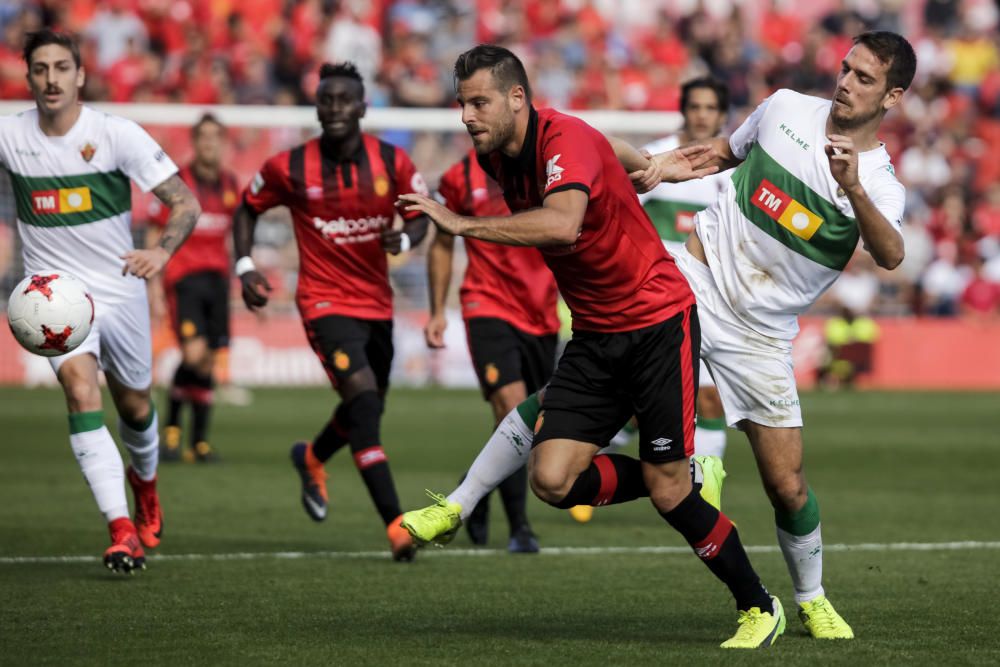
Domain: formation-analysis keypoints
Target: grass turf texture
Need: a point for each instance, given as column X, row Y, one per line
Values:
column 886, row 467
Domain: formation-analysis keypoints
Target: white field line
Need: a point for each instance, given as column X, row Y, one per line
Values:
column 459, row 553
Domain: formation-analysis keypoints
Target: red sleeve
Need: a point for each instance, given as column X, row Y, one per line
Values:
column 569, row 154
column 453, row 189
column 269, row 186
column 409, row 180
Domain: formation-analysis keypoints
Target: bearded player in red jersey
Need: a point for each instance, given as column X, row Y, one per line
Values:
column 196, row 287
column 635, row 344
column 341, row 188
column 508, row 300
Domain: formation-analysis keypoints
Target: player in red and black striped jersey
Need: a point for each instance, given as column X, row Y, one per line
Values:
column 196, row 288
column 508, row 300
column 635, row 344
column 341, row 188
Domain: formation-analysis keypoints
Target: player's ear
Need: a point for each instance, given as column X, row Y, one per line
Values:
column 81, row 76
column 892, row 98
column 517, row 97
column 364, row 110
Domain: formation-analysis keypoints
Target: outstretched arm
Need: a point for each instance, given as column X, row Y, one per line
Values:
column 439, row 263
column 184, row 212
column 556, row 222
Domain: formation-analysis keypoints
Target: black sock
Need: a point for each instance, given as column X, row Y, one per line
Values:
column 202, row 394
column 364, row 415
column 714, row 539
column 514, row 493
column 610, row 479
column 178, row 394
column 332, row 437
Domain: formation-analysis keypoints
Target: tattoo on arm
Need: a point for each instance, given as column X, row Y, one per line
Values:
column 184, row 212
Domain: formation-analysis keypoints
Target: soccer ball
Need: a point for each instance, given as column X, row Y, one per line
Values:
column 50, row 313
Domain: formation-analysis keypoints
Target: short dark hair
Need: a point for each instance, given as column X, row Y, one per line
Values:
column 44, row 37
column 506, row 68
column 893, row 50
column 713, row 84
column 206, row 119
column 348, row 70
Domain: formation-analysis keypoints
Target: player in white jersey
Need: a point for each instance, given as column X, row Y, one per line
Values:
column 812, row 180
column 70, row 168
column 672, row 207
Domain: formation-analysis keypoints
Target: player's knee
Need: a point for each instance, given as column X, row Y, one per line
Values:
column 550, row 483
column 134, row 406
column 787, row 492
column 709, row 403
column 667, row 488
column 82, row 395
column 365, row 408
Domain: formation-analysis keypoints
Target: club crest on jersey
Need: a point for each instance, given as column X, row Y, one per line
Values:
column 87, row 152
column 229, row 198
column 492, row 373
column 341, row 361
column 785, row 210
column 381, row 186
column 553, row 171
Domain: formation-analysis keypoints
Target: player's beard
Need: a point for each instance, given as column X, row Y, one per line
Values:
column 499, row 135
column 853, row 122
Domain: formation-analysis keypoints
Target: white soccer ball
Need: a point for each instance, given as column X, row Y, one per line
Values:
column 50, row 313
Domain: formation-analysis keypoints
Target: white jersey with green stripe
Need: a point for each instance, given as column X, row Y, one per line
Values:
column 782, row 230
column 672, row 206
column 74, row 201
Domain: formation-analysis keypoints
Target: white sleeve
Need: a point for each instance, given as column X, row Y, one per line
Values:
column 141, row 158
column 742, row 140
column 888, row 195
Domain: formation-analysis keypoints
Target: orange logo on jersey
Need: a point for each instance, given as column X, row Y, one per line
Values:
column 784, row 210
column 381, row 186
column 229, row 199
column 341, row 361
column 539, row 421
column 492, row 373
column 87, row 152
column 188, row 329
column 63, row 200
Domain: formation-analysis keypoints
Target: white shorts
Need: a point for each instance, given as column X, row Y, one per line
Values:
column 754, row 373
column 121, row 341
column 704, row 377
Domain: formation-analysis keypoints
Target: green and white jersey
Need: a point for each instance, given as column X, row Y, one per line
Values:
column 783, row 230
column 74, row 201
column 672, row 206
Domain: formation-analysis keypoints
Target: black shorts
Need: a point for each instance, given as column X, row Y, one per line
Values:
column 603, row 379
column 199, row 306
column 502, row 353
column 346, row 345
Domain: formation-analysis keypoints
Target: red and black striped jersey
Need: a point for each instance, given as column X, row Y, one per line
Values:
column 617, row 275
column 507, row 282
column 339, row 209
column 207, row 248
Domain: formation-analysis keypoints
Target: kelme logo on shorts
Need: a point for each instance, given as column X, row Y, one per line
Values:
column 786, row 211
column 63, row 200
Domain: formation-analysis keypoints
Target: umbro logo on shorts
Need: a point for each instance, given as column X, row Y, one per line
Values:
column 661, row 444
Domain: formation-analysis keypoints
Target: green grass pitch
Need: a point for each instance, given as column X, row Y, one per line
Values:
column 887, row 468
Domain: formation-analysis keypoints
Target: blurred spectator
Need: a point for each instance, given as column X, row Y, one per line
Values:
column 112, row 29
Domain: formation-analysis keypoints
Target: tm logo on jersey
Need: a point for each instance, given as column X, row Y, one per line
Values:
column 63, row 200
column 786, row 211
column 553, row 171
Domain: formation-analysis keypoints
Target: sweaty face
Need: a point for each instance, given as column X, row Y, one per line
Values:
column 861, row 94
column 703, row 119
column 340, row 106
column 209, row 144
column 487, row 112
column 54, row 79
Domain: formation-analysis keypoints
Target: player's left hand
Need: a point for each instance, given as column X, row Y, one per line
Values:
column 646, row 179
column 687, row 163
column 446, row 219
column 145, row 263
column 843, row 160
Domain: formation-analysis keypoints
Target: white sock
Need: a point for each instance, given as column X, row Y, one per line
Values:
column 102, row 467
column 504, row 453
column 804, row 557
column 143, row 447
column 709, row 442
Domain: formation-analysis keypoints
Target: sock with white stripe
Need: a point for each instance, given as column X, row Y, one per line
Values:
column 143, row 444
column 710, row 437
column 100, row 462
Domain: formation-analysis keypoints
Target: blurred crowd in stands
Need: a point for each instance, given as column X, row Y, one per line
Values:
column 595, row 54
